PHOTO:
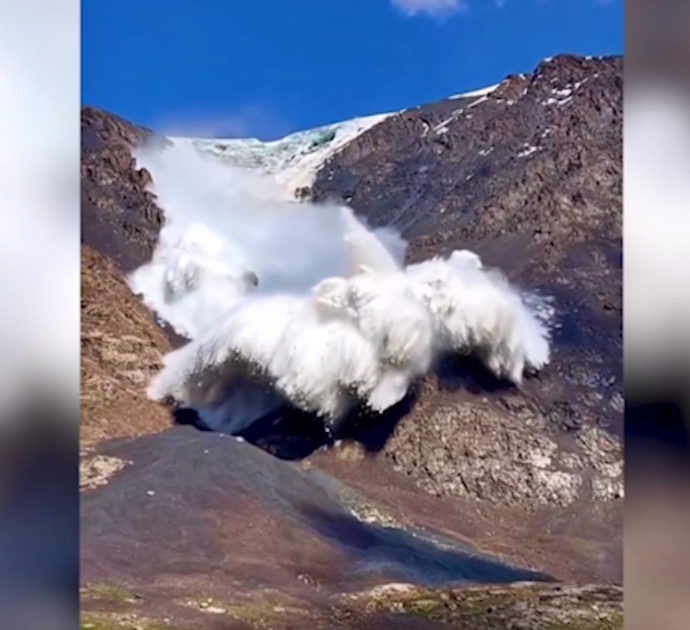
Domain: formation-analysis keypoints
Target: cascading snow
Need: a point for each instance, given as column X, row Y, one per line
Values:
column 298, row 302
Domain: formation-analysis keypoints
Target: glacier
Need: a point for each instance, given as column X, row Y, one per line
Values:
column 294, row 160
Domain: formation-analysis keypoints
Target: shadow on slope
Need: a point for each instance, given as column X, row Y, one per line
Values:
column 416, row 557
column 256, row 519
column 292, row 434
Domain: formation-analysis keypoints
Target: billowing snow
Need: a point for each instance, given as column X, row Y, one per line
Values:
column 299, row 302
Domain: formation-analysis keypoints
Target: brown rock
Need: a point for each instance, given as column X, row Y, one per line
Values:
column 119, row 216
column 121, row 348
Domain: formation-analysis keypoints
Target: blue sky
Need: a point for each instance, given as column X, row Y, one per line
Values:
column 265, row 68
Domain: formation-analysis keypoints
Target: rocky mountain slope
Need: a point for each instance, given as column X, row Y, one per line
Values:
column 119, row 216
column 529, row 175
column 121, row 348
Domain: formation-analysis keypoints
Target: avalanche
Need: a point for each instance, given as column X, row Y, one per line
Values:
column 287, row 301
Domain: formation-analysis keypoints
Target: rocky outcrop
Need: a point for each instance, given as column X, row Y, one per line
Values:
column 121, row 348
column 505, row 451
column 540, row 156
column 119, row 217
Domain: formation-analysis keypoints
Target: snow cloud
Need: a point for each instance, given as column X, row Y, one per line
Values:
column 302, row 303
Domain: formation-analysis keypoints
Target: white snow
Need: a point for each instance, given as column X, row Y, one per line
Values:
column 567, row 91
column 442, row 127
column 294, row 160
column 302, row 302
column 480, row 92
column 562, row 97
column 478, row 101
column 527, row 151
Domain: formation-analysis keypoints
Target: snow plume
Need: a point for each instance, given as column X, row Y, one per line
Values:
column 287, row 301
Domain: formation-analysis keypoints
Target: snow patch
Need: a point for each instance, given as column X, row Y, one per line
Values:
column 477, row 102
column 480, row 92
column 426, row 128
column 527, row 151
column 562, row 93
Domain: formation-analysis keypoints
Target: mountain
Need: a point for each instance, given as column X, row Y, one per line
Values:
column 119, row 217
column 121, row 349
column 295, row 159
column 528, row 174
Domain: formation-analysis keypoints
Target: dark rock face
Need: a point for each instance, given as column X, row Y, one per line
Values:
column 540, row 156
column 119, row 217
column 530, row 177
